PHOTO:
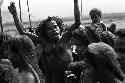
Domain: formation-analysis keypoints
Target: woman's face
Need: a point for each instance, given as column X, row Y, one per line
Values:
column 53, row 30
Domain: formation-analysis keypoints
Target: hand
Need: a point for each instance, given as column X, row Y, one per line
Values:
column 12, row 8
column 75, row 0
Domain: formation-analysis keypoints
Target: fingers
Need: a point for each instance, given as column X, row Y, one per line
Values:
column 12, row 8
column 9, row 7
column 12, row 4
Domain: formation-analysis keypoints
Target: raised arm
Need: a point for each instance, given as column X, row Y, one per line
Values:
column 20, row 28
column 13, row 11
column 19, row 25
column 66, row 37
column 77, row 13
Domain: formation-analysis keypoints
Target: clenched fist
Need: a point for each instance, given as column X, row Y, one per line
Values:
column 12, row 8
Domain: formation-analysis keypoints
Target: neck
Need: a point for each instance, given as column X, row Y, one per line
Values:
column 23, row 67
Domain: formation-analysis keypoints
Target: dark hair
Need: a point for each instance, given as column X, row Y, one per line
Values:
column 108, row 38
column 120, row 33
column 22, row 45
column 41, row 30
column 4, row 38
column 100, row 55
column 95, row 11
column 87, row 35
column 80, row 34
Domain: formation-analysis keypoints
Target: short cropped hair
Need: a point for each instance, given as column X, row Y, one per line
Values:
column 95, row 11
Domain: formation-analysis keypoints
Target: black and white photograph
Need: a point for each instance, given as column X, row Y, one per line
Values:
column 62, row 41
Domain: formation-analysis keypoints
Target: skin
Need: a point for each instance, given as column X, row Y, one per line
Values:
column 18, row 62
column 96, row 19
column 53, row 30
column 94, row 73
column 55, row 39
column 39, row 39
column 18, row 56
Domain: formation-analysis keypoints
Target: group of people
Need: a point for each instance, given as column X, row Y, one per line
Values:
column 45, row 54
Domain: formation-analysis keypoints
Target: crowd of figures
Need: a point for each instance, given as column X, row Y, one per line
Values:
column 45, row 54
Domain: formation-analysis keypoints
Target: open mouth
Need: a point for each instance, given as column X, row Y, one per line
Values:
column 56, row 33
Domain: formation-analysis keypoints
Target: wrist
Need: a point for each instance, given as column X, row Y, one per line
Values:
column 14, row 14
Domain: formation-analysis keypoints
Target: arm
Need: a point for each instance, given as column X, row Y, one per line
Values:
column 19, row 25
column 20, row 28
column 13, row 11
column 66, row 37
column 77, row 13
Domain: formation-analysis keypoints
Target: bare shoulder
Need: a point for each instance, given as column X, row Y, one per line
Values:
column 28, row 77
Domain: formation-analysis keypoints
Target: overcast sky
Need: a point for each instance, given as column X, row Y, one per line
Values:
column 64, row 8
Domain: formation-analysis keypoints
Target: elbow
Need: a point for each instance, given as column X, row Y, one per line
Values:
column 22, row 33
